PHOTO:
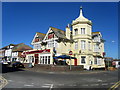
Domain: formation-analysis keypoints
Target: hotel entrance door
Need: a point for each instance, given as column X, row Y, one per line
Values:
column 36, row 58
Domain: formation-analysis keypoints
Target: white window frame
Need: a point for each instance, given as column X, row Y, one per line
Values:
column 83, row 44
column 76, row 45
column 96, row 48
column 37, row 46
column 82, row 30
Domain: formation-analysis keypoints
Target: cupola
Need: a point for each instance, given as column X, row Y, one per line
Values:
column 81, row 19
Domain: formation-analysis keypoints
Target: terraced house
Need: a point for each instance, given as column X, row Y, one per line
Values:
column 87, row 46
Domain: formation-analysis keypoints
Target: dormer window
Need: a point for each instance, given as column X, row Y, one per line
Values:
column 82, row 30
column 50, row 35
column 37, row 39
column 76, row 31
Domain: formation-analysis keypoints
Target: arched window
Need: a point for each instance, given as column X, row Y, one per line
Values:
column 76, row 31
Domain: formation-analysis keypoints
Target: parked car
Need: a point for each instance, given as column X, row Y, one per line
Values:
column 4, row 62
column 17, row 65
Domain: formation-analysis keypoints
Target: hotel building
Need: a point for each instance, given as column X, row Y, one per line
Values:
column 86, row 46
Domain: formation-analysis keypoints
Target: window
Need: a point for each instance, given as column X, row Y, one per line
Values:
column 55, row 44
column 82, row 30
column 97, row 39
column 48, row 59
column 45, row 59
column 30, row 58
column 76, row 45
column 98, row 61
column 76, row 31
column 37, row 46
column 95, row 61
column 89, row 45
column 96, row 48
column 83, row 59
column 82, row 44
column 118, row 63
column 50, row 43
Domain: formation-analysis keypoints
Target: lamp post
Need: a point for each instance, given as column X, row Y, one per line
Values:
column 70, row 53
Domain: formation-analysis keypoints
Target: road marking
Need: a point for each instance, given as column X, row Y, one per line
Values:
column 94, row 84
column 60, row 84
column 28, row 85
column 3, row 82
column 48, row 86
column 99, row 80
column 114, row 86
column 104, row 83
column 51, row 72
column 10, row 80
column 51, row 87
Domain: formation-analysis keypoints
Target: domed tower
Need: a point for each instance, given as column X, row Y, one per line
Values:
column 81, row 26
column 82, row 36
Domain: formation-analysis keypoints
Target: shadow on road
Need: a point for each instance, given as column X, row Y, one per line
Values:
column 7, row 69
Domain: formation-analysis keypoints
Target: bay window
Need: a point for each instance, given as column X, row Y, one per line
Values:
column 83, row 46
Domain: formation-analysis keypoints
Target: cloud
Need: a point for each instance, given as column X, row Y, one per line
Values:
column 113, row 41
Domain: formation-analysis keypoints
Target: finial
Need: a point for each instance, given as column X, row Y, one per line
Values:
column 80, row 7
column 81, row 14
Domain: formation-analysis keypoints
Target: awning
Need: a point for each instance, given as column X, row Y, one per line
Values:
column 64, row 57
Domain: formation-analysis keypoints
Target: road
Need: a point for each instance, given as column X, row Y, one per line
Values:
column 50, row 80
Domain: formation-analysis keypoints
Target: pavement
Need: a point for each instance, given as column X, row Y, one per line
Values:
column 67, row 72
column 24, row 79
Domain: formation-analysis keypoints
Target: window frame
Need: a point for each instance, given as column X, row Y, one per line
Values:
column 83, row 31
column 83, row 44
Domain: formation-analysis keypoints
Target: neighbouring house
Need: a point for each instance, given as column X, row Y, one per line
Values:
column 86, row 46
column 7, row 52
column 116, row 63
column 17, row 50
column 12, row 52
column 108, row 62
column 2, row 54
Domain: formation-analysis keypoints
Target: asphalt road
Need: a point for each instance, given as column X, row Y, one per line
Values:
column 50, row 80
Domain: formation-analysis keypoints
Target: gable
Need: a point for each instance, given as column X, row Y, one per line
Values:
column 38, row 37
column 54, row 33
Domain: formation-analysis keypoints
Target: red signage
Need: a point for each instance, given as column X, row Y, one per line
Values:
column 70, row 52
column 38, row 51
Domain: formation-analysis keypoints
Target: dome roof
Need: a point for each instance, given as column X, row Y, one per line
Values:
column 81, row 19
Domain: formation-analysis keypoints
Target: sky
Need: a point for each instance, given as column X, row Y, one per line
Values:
column 21, row 20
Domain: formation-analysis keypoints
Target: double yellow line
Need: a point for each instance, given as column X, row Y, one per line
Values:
column 114, row 86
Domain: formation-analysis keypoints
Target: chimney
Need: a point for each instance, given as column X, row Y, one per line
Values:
column 68, row 31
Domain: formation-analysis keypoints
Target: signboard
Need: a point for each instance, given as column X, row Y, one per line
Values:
column 70, row 53
column 38, row 51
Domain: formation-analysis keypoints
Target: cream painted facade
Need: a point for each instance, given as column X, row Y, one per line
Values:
column 87, row 46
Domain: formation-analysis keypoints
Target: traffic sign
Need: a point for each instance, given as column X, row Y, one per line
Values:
column 70, row 52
